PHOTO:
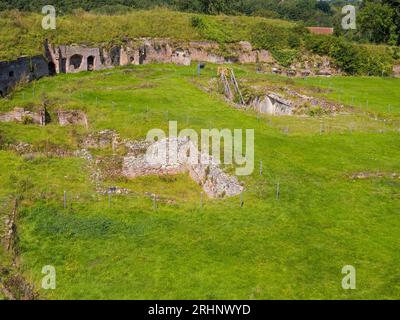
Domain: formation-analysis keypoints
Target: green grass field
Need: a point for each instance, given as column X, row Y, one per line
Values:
column 293, row 247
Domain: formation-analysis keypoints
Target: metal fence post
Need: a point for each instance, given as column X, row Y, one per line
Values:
column 278, row 191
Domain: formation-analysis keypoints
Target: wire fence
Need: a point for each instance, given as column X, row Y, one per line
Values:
column 264, row 187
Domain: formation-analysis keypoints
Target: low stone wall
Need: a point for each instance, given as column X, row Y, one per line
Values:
column 206, row 172
column 24, row 116
column 68, row 117
column 396, row 71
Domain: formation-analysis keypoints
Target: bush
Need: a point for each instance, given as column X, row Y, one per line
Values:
column 267, row 36
column 27, row 120
column 197, row 22
column 285, row 57
column 352, row 58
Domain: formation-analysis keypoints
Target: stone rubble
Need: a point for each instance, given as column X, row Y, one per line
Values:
column 203, row 169
column 68, row 117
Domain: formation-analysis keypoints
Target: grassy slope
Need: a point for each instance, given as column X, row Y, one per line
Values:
column 22, row 34
column 294, row 247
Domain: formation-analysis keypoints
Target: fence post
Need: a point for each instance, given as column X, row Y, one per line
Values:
column 241, row 199
column 154, row 202
column 109, row 199
column 261, row 168
column 278, row 191
column 65, row 199
column 201, row 199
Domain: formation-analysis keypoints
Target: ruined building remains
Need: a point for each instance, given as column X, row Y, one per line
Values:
column 74, row 58
column 24, row 69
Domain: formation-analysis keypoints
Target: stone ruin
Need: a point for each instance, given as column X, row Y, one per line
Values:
column 76, row 58
column 202, row 168
column 290, row 102
column 24, row 116
column 396, row 71
column 24, row 69
column 68, row 117
column 41, row 117
column 273, row 104
column 102, row 139
column 71, row 59
column 143, row 158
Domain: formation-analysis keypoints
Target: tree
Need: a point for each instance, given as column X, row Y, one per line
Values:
column 377, row 24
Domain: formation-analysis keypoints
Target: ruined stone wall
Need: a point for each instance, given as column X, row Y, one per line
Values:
column 24, row 116
column 67, row 117
column 396, row 71
column 23, row 69
column 79, row 59
column 203, row 169
column 272, row 104
column 145, row 51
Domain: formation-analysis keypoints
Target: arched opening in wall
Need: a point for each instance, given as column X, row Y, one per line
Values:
column 11, row 74
column 90, row 63
column 52, row 68
column 115, row 55
column 75, row 61
column 1, row 94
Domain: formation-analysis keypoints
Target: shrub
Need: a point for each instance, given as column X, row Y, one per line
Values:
column 197, row 22
column 27, row 120
column 285, row 57
column 350, row 57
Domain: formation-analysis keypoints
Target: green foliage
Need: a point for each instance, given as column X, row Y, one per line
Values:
column 315, row 111
column 267, row 36
column 283, row 42
column 197, row 22
column 285, row 56
column 211, row 29
column 377, row 23
column 352, row 58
